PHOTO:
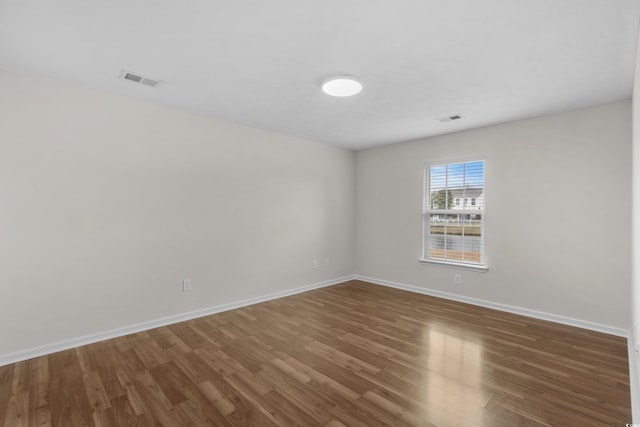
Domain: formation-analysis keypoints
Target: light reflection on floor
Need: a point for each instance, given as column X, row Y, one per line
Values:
column 453, row 378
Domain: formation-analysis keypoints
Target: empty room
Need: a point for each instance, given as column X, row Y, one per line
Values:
column 337, row 213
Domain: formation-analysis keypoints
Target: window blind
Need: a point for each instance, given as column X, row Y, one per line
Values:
column 454, row 205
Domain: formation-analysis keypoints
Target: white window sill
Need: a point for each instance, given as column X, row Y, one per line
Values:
column 452, row 264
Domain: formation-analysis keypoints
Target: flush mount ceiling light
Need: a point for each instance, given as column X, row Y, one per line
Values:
column 342, row 86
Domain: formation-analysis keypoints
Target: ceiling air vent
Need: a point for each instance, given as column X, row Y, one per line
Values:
column 128, row 75
column 450, row 118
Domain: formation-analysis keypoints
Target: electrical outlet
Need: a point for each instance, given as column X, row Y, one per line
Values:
column 314, row 264
column 457, row 279
column 186, row 285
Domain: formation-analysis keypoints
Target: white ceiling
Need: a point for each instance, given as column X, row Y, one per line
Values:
column 261, row 63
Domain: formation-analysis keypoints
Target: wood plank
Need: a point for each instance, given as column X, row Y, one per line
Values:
column 354, row 354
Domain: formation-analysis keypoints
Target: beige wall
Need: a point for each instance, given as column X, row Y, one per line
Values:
column 567, row 254
column 106, row 204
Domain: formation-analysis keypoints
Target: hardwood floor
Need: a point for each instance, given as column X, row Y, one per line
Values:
column 353, row 354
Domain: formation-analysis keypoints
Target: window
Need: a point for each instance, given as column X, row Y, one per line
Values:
column 457, row 202
column 454, row 235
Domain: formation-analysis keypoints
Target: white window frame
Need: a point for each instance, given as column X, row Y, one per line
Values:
column 426, row 211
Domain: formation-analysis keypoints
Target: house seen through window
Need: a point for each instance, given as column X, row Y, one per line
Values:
column 454, row 231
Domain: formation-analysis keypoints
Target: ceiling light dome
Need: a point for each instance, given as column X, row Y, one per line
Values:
column 342, row 86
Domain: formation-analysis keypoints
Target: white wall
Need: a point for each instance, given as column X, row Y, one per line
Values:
column 565, row 255
column 635, row 286
column 106, row 204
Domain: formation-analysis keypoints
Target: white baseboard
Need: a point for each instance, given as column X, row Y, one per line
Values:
column 584, row 324
column 18, row 356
